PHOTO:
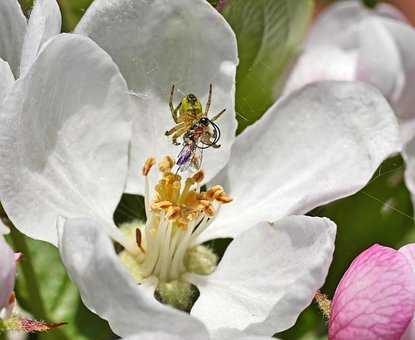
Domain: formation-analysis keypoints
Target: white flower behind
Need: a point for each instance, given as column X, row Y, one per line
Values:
column 351, row 42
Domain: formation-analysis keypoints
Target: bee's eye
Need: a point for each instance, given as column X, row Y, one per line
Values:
column 191, row 98
column 204, row 121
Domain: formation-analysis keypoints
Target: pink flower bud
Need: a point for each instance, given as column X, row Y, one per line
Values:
column 375, row 299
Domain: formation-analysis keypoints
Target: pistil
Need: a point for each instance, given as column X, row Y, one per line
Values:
column 177, row 212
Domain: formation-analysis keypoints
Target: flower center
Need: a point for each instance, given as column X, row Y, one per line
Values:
column 178, row 211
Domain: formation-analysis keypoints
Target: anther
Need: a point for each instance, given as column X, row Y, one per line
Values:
column 166, row 164
column 139, row 239
column 182, row 223
column 204, row 203
column 148, row 165
column 209, row 211
column 198, row 176
column 161, row 205
column 173, row 212
column 214, row 192
column 224, row 198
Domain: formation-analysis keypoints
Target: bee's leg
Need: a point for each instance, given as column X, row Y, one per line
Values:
column 172, row 109
column 174, row 129
column 207, row 138
column 177, row 134
column 208, row 100
column 218, row 115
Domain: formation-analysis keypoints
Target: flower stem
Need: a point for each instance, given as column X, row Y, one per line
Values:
column 37, row 305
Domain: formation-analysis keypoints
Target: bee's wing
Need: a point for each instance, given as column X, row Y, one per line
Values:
column 197, row 158
column 185, row 154
column 185, row 157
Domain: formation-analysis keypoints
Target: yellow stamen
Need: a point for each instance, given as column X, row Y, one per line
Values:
column 148, row 165
column 183, row 203
column 166, row 164
column 173, row 212
column 198, row 176
column 163, row 205
column 224, row 198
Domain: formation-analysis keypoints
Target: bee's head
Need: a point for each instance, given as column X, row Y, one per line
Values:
column 204, row 121
column 191, row 103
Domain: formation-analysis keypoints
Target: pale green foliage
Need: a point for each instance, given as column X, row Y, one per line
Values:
column 269, row 33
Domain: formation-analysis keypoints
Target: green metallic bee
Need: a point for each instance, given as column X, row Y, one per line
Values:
column 192, row 122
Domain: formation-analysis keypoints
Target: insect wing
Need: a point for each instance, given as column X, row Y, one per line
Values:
column 197, row 159
column 185, row 155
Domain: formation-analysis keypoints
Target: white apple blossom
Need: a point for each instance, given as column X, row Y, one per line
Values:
column 319, row 144
column 351, row 42
column 65, row 129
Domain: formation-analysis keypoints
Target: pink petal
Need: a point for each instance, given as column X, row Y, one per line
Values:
column 375, row 299
column 409, row 252
column 7, row 272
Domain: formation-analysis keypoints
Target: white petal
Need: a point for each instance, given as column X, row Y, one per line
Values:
column 44, row 23
column 317, row 145
column 7, row 272
column 353, row 28
column 339, row 22
column 403, row 36
column 108, row 289
column 231, row 333
column 267, row 276
column 6, row 79
column 12, row 28
column 409, row 157
column 379, row 61
column 153, row 336
column 64, row 135
column 338, row 25
column 222, row 334
column 389, row 11
column 322, row 63
column 159, row 43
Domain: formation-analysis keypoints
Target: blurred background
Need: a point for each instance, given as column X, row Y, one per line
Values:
column 380, row 213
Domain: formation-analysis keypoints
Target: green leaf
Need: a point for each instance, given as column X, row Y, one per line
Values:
column 130, row 208
column 269, row 33
column 72, row 12
column 46, row 292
